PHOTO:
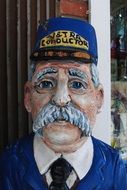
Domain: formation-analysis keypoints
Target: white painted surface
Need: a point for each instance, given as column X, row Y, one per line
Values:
column 100, row 19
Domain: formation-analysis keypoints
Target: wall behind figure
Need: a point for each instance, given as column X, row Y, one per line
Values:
column 100, row 19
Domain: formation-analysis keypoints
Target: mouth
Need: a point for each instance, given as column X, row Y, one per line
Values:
column 61, row 123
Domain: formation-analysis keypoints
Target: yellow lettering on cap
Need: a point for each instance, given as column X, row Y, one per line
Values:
column 64, row 38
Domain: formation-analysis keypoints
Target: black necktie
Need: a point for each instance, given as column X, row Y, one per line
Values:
column 60, row 171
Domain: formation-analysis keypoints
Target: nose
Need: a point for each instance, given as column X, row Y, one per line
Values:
column 61, row 97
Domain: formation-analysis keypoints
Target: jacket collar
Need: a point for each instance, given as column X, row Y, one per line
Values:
column 34, row 179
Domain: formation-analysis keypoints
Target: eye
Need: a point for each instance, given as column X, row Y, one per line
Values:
column 45, row 84
column 78, row 86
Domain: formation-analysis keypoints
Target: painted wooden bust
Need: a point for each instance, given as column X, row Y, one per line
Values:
column 63, row 96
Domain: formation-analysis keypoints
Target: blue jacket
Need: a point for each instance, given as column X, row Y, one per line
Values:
column 18, row 169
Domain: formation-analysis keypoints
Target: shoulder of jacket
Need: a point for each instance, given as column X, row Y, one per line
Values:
column 12, row 153
column 107, row 151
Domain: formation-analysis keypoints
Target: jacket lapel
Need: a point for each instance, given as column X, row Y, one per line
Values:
column 33, row 178
column 95, row 177
column 31, row 174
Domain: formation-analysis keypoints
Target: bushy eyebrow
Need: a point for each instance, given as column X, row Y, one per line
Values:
column 77, row 73
column 44, row 72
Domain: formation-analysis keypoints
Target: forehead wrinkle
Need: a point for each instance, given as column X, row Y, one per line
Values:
column 39, row 75
column 77, row 73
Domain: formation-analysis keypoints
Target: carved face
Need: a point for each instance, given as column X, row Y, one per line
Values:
column 63, row 102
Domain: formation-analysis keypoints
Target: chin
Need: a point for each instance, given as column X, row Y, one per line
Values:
column 61, row 133
column 62, row 137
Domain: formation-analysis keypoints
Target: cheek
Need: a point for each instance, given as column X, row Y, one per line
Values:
column 38, row 102
column 87, row 104
column 91, row 111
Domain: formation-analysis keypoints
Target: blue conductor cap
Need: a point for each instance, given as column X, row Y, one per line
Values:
column 66, row 38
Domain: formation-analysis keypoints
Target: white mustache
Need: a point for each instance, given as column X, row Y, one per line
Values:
column 52, row 113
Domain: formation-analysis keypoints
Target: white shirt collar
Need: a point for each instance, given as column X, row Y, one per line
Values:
column 81, row 160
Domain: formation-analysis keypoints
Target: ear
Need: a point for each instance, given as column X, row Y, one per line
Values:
column 27, row 96
column 99, row 96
